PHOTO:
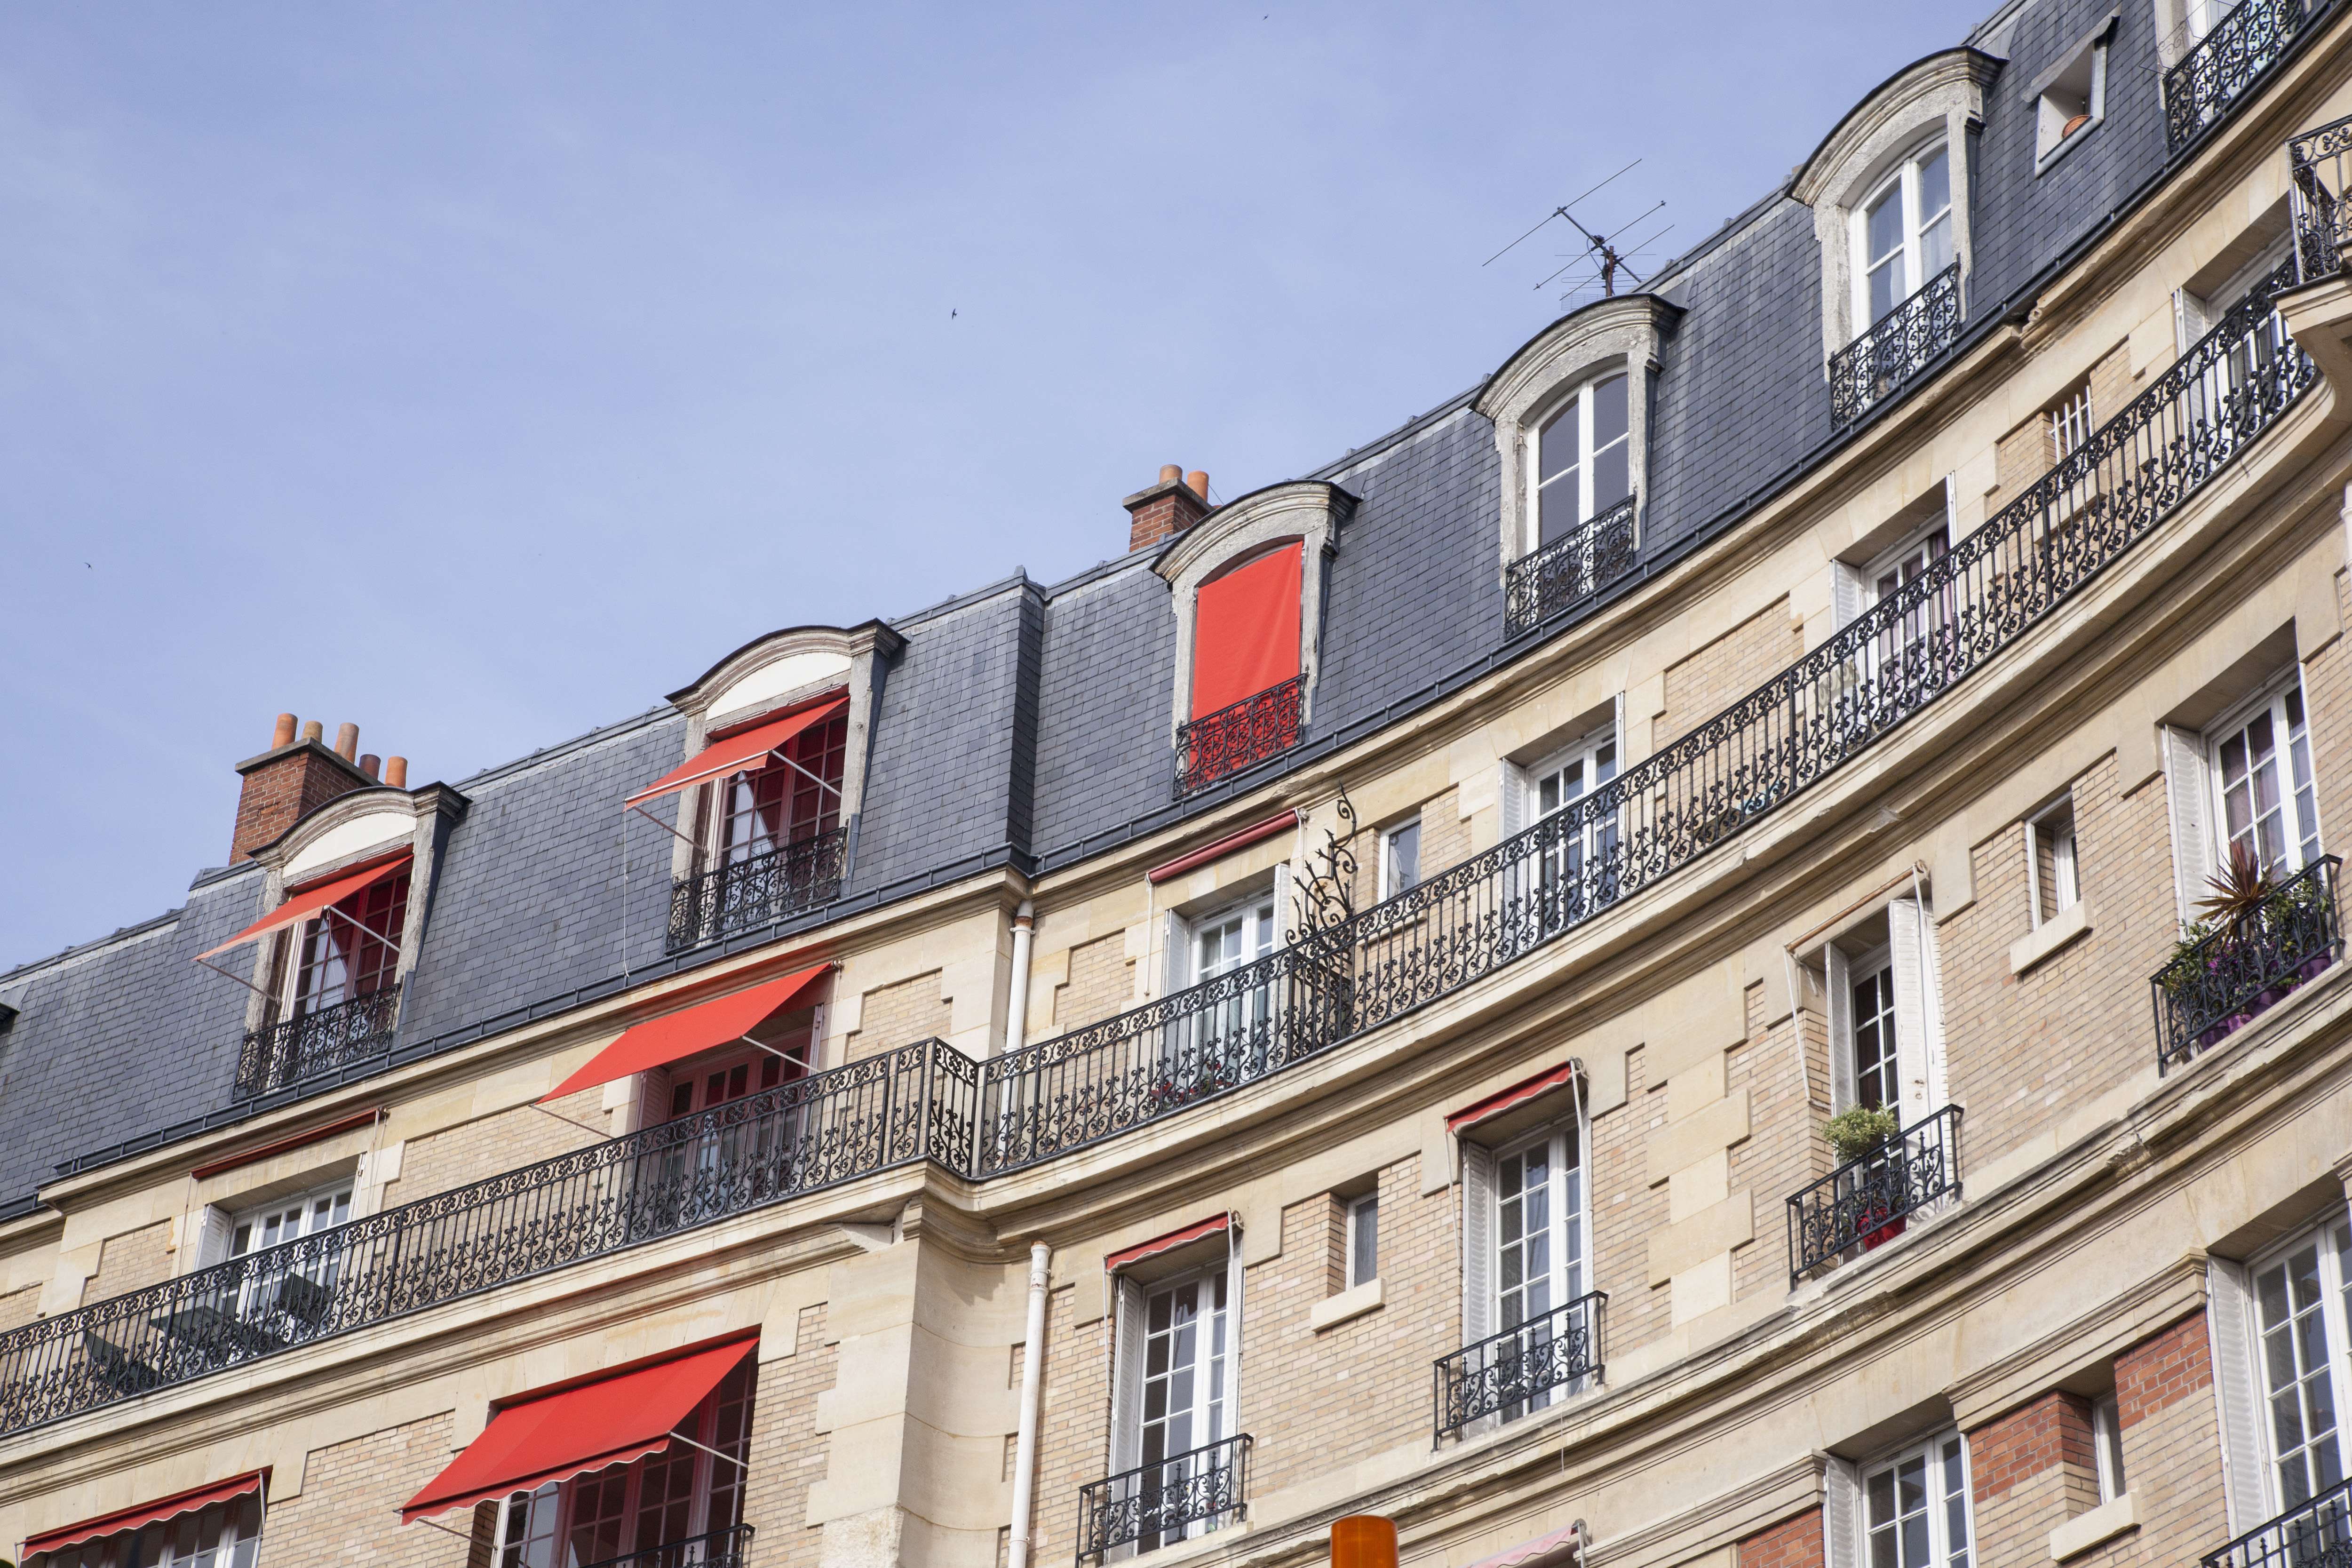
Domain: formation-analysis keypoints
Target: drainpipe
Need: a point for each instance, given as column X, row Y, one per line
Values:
column 1016, row 1027
column 1033, row 1362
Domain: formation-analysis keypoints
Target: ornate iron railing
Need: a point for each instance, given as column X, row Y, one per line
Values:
column 318, row 1041
column 2318, row 163
column 1217, row 745
column 1867, row 1203
column 1570, row 570
column 907, row 1105
column 742, row 894
column 1513, row 1373
column 1898, row 346
column 718, row 1549
column 1161, row 1502
column 2228, row 60
column 2218, row 980
column 2314, row 1534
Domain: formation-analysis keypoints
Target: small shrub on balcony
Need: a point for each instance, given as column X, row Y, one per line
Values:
column 1860, row 1129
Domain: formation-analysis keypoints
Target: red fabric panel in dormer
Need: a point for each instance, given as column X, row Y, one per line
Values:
column 1245, row 631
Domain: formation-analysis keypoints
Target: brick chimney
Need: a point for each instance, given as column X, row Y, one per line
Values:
column 1178, row 501
column 290, row 779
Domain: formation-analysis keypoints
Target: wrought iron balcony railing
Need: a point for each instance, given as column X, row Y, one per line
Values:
column 1218, row 745
column 1898, row 346
column 1516, row 1372
column 2229, row 60
column 1569, row 570
column 743, row 894
column 911, row 1104
column 318, row 1041
column 2313, row 1534
column 2318, row 162
column 1165, row 1501
column 2218, row 980
column 1864, row 1204
column 718, row 1549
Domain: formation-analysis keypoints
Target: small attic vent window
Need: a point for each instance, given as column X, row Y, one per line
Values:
column 2071, row 97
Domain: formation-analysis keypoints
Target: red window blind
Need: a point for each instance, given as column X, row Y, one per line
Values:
column 1245, row 631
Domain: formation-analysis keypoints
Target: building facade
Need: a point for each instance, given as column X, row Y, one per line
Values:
column 1722, row 950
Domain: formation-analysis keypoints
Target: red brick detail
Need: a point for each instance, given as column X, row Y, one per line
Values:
column 2162, row 1370
column 283, row 786
column 1794, row 1543
column 2055, row 1430
column 1162, row 512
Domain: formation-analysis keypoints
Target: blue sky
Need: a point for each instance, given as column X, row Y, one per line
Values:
column 479, row 374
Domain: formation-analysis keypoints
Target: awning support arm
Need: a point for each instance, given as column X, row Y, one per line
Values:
column 664, row 827
column 682, row 1437
column 467, row 1537
column 240, row 979
column 806, row 774
column 371, row 931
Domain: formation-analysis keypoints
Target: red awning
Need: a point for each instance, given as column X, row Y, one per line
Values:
column 1129, row 1256
column 1556, row 1547
column 145, row 1513
column 555, row 1437
column 1281, row 822
column 1245, row 631
column 303, row 905
column 1511, row 1098
column 737, row 752
column 674, row 1037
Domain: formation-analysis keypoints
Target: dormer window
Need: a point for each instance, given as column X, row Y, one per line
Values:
column 1584, row 459
column 793, row 796
column 352, row 951
column 1905, row 232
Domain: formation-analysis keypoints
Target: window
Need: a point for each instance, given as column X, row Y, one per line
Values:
column 1916, row 1508
column 681, row 1495
column 289, row 1219
column 1885, row 1037
column 346, row 952
column 793, row 797
column 1399, row 857
column 1578, row 868
column 2300, row 1320
column 224, row 1535
column 1184, row 1392
column 2259, row 760
column 705, row 1088
column 2070, row 422
column 1363, row 1240
column 2107, row 1441
column 1904, row 232
column 1232, row 937
column 2072, row 99
column 1539, row 1229
column 1583, row 459
column 2051, row 887
column 1877, row 1081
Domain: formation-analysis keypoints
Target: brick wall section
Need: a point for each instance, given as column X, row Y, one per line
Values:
column 1626, row 1211
column 1101, row 983
column 1444, row 836
column 1315, row 1402
column 283, row 789
column 899, row 1015
column 2020, row 1048
column 2158, row 1372
column 2111, row 385
column 1073, row 1427
column 19, row 1306
column 2020, row 457
column 1794, row 1543
column 787, row 1455
column 2327, row 695
column 1727, row 668
column 2173, row 1454
column 1784, row 1153
column 491, row 1146
column 2033, row 1469
column 348, row 1509
column 132, row 1261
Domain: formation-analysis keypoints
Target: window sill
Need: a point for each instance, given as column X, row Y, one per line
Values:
column 1333, row 1311
column 2049, row 161
column 2059, row 931
column 2102, row 1524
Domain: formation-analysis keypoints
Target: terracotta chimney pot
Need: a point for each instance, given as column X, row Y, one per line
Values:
column 1171, row 472
column 371, row 765
column 1167, row 508
column 347, row 741
column 283, row 735
column 315, row 732
column 395, row 771
column 1197, row 481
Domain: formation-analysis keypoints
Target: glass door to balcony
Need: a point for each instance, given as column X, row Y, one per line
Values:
column 2301, row 1318
column 1578, row 870
column 1539, row 1264
column 1226, row 1041
column 1183, row 1406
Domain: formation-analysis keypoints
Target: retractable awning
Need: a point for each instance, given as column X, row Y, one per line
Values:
column 737, row 752
column 145, row 1514
column 1511, row 1098
column 674, row 1037
column 554, row 1436
column 1127, row 1256
column 302, row 905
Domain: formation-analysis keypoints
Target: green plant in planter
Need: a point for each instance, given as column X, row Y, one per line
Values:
column 1858, row 1130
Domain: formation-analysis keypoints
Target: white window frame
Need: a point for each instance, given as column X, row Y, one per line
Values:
column 2331, row 1238
column 2070, row 422
column 1909, row 957
column 1944, row 1461
column 1390, row 883
column 335, row 1197
column 2299, row 772
column 2107, row 1441
column 1362, row 1210
column 1579, row 405
column 1261, row 932
column 1904, row 178
column 1218, row 1407
column 2066, row 866
column 1566, row 1196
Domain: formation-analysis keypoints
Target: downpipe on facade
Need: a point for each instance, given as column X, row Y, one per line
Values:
column 1033, row 1354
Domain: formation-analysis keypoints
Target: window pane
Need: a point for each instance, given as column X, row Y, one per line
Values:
column 1885, row 286
column 1935, row 183
column 1367, row 1241
column 1935, row 248
column 1612, row 475
column 1560, row 447
column 1608, row 410
column 1885, row 225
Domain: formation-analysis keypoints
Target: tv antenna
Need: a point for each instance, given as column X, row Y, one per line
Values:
column 1599, row 248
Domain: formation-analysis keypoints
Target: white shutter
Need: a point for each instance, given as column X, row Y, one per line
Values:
column 1285, row 912
column 1513, row 793
column 1234, row 1272
column 1845, row 594
column 212, row 1236
column 1841, row 1011
column 1932, row 1009
column 1841, row 1502
column 1477, row 1242
column 2192, row 841
column 652, row 1099
column 2229, row 1326
column 1176, row 969
column 1127, row 1373
column 1911, row 1036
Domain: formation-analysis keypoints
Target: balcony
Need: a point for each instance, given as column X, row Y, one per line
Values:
column 1218, row 745
column 1165, row 1501
column 319, row 1041
column 1866, row 1203
column 1516, row 1372
column 2229, row 60
column 2316, row 167
column 2313, row 1534
column 1569, row 571
column 1898, row 346
column 2219, row 979
column 743, row 895
column 720, row 1548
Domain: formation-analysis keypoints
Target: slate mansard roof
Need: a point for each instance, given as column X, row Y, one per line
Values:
column 1027, row 725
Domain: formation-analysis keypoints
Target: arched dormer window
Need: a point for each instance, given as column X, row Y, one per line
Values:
column 1570, row 412
column 1247, row 586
